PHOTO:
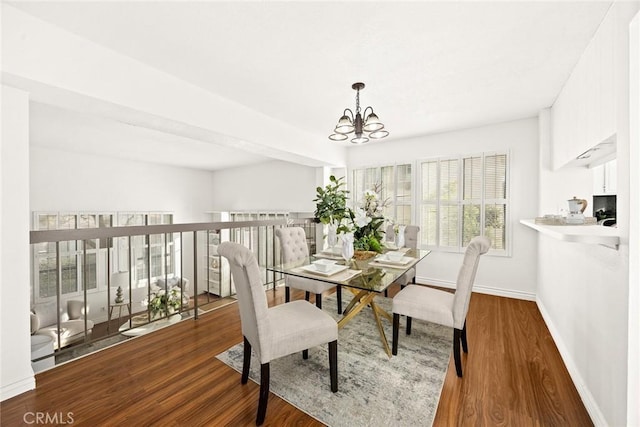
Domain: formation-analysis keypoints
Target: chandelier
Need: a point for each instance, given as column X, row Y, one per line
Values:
column 370, row 127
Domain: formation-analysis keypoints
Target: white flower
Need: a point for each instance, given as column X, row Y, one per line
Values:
column 163, row 301
column 361, row 218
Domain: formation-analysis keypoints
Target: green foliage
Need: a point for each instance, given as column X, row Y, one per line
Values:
column 331, row 207
column 368, row 238
column 331, row 201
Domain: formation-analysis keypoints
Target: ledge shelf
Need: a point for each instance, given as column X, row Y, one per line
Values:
column 591, row 234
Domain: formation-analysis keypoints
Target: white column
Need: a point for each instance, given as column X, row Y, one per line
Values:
column 633, row 370
column 16, row 375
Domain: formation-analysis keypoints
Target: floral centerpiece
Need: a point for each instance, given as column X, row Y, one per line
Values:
column 368, row 221
column 162, row 303
column 365, row 221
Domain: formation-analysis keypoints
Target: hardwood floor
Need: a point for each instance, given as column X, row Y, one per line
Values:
column 513, row 375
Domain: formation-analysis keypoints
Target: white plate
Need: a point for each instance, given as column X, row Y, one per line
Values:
column 326, row 262
column 335, row 268
column 384, row 259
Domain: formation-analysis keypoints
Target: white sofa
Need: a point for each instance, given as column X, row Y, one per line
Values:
column 44, row 322
column 174, row 281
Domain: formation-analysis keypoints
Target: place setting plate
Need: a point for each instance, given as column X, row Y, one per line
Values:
column 324, row 267
column 398, row 261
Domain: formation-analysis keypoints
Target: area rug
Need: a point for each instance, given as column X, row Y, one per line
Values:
column 373, row 389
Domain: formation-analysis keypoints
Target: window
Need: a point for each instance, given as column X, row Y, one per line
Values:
column 79, row 268
column 462, row 198
column 396, row 188
column 155, row 252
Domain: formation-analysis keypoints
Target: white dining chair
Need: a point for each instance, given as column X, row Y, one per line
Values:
column 278, row 331
column 294, row 251
column 411, row 242
column 437, row 306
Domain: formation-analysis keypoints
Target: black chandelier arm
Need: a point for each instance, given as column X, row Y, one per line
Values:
column 364, row 114
column 364, row 124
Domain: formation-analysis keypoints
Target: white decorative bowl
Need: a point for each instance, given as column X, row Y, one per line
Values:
column 323, row 265
column 395, row 256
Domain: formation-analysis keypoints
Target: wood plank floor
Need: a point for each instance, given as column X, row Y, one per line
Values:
column 513, row 376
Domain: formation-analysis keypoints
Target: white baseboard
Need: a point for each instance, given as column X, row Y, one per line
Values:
column 587, row 398
column 509, row 293
column 10, row 390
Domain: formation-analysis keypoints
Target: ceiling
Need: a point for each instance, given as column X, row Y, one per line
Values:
column 428, row 67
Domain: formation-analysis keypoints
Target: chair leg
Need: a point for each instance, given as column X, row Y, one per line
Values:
column 339, row 297
column 246, row 361
column 305, row 354
column 456, row 351
column 333, row 365
column 463, row 338
column 264, row 393
column 319, row 301
column 307, row 295
column 287, row 294
column 386, row 293
column 396, row 327
column 408, row 325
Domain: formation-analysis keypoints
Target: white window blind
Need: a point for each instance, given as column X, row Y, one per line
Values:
column 495, row 200
column 396, row 185
column 462, row 198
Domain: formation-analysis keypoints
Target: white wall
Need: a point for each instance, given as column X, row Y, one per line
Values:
column 513, row 276
column 633, row 387
column 273, row 186
column 583, row 290
column 16, row 375
column 65, row 181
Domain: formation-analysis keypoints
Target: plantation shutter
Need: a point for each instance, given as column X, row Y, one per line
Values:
column 448, row 218
column 429, row 203
column 472, row 198
column 495, row 199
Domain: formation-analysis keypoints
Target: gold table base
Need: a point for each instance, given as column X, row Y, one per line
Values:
column 360, row 300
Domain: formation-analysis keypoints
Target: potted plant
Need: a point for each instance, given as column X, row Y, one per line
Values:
column 365, row 222
column 331, row 202
column 331, row 207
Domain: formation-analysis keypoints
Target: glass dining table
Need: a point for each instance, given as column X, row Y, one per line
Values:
column 365, row 279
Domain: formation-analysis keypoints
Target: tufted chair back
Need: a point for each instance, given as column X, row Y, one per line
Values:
column 293, row 244
column 466, row 276
column 410, row 235
column 251, row 298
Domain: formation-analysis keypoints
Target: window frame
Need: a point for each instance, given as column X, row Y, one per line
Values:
column 76, row 252
column 119, row 253
column 356, row 195
column 461, row 202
